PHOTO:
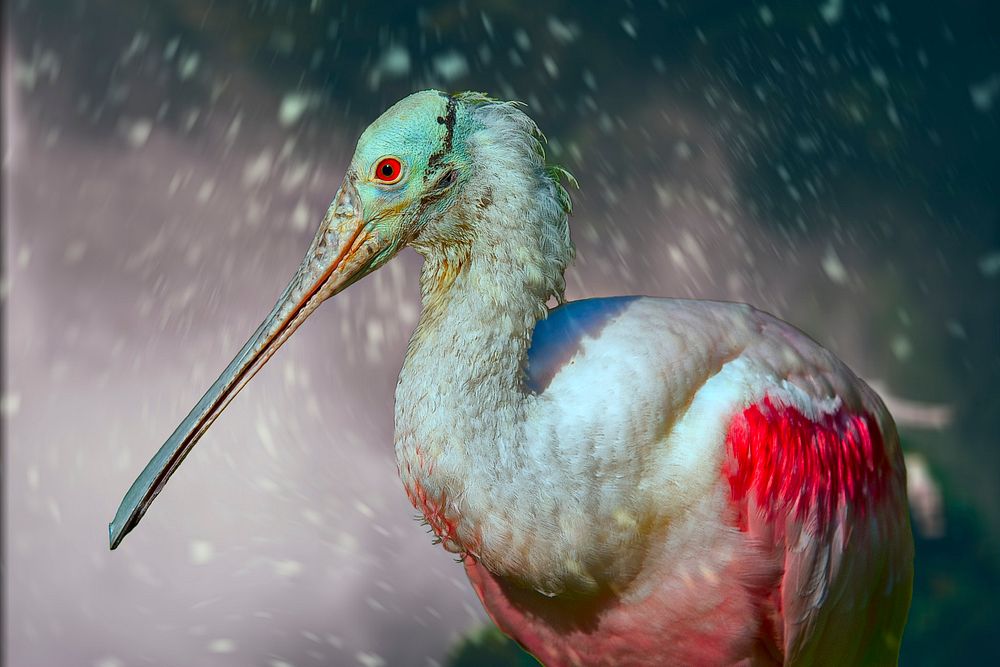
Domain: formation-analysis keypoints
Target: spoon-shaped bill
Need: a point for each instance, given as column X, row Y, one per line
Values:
column 343, row 251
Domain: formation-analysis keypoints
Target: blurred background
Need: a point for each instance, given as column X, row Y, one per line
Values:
column 164, row 166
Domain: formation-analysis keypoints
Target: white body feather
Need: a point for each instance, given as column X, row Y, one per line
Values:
column 609, row 476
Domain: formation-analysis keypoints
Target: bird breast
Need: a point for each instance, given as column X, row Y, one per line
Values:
column 576, row 486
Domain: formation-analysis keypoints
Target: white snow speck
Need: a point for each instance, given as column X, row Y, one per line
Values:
column 287, row 568
column 893, row 115
column 201, row 552
column 10, row 404
column 487, row 24
column 628, row 25
column 222, row 646
column 264, row 433
column 43, row 63
column 395, row 61
column 694, row 250
column 550, row 66
column 832, row 10
column 138, row 132
column 257, row 171
column 234, row 127
column 522, row 40
column 564, row 33
column 75, row 252
column 833, row 267
column 374, row 337
column 901, row 347
column 293, row 105
column 408, row 313
column 451, row 65
column 268, row 485
column 989, row 265
column 807, row 143
column 369, row 659
column 985, row 93
column 140, row 41
column 677, row 257
column 301, row 216
column 880, row 78
column 108, row 662
column 54, row 511
column 170, row 49
column 295, row 175
column 282, row 40
column 766, row 15
column 187, row 66
column 364, row 509
column 205, row 191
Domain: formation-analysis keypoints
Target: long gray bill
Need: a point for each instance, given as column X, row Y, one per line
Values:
column 340, row 254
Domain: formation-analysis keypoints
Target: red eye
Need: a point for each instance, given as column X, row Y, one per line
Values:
column 388, row 170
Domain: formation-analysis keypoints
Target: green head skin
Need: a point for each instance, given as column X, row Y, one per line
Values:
column 423, row 137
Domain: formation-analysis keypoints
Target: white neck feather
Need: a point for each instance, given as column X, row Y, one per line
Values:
column 460, row 403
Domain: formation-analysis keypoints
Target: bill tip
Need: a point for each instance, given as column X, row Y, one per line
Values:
column 114, row 537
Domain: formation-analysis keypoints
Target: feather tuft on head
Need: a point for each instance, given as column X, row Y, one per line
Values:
column 513, row 139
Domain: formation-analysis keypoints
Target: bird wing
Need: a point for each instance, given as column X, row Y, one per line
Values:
column 781, row 469
column 817, row 478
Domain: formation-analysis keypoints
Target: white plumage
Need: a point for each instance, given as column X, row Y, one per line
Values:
column 630, row 481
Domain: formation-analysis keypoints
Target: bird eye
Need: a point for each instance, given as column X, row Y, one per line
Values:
column 388, row 170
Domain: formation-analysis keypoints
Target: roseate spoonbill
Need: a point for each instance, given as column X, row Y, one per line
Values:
column 629, row 480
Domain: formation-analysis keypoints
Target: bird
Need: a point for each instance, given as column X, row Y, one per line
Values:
column 627, row 480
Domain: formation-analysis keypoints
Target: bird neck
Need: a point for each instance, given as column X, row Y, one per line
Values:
column 490, row 266
column 461, row 404
column 480, row 303
column 478, row 313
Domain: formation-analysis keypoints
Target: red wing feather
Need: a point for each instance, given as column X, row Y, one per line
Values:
column 830, row 494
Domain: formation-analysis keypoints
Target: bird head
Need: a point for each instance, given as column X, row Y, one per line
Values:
column 409, row 165
column 412, row 172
